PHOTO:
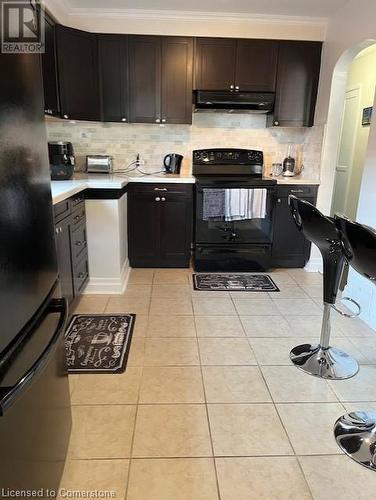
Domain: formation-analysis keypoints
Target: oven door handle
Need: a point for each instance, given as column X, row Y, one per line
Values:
column 8, row 395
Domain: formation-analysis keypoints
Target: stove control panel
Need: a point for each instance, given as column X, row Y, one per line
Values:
column 228, row 156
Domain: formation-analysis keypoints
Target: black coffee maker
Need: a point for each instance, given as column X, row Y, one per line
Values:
column 62, row 161
column 172, row 163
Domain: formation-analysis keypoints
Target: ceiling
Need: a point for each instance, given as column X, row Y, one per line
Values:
column 306, row 8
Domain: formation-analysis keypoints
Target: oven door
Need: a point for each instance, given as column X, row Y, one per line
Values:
column 234, row 213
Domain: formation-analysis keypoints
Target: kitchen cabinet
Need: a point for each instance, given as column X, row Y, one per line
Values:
column 49, row 69
column 77, row 57
column 297, row 84
column 160, row 83
column 290, row 248
column 236, row 65
column 113, row 77
column 71, row 246
column 160, row 225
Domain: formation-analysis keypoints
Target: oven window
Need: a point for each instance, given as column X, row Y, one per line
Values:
column 234, row 204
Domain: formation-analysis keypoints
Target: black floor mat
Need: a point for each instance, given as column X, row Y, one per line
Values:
column 232, row 282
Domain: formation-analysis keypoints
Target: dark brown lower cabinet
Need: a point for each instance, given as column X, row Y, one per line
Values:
column 290, row 247
column 71, row 246
column 160, row 225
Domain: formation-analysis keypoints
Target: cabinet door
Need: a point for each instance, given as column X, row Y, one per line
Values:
column 297, row 84
column 64, row 258
column 177, row 60
column 143, row 228
column 78, row 74
column 290, row 247
column 145, row 79
column 256, row 65
column 215, row 63
column 176, row 230
column 113, row 77
column 49, row 69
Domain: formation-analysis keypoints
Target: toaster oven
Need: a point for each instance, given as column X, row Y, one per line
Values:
column 99, row 164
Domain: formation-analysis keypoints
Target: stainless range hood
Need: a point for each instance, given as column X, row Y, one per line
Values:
column 251, row 102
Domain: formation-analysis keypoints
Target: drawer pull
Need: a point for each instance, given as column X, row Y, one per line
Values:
column 157, row 198
column 296, row 190
column 163, row 198
column 81, row 275
column 78, row 217
column 80, row 243
column 160, row 189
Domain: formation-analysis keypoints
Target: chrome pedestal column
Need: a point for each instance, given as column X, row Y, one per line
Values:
column 322, row 360
column 355, row 434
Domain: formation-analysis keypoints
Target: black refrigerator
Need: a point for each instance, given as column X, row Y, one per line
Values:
column 35, row 418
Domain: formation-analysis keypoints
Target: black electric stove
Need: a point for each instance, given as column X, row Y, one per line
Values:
column 233, row 210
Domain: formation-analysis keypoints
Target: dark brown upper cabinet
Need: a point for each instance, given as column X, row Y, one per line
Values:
column 297, row 83
column 235, row 65
column 77, row 53
column 256, row 65
column 49, row 69
column 113, row 77
column 160, row 81
column 215, row 63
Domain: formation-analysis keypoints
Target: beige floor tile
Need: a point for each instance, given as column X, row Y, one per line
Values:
column 108, row 389
column 246, row 429
column 363, row 406
column 261, row 478
column 314, row 291
column 140, row 325
column 310, row 326
column 171, row 326
column 172, row 385
column 218, row 326
column 172, row 276
column 339, row 475
column 102, row 431
column 172, row 431
column 170, row 351
column 213, row 307
column 128, row 304
column 353, row 327
column 249, row 295
column 216, row 294
column 225, row 351
column 301, row 276
column 234, row 384
column 137, row 290
column 172, row 479
column 297, row 307
column 254, row 307
column 274, row 351
column 289, row 292
column 288, row 384
column 141, row 276
column 73, row 379
column 171, row 291
column 310, row 426
column 362, row 387
column 282, row 278
column 137, row 352
column 95, row 475
column 162, row 306
column 367, row 346
column 91, row 304
column 266, row 326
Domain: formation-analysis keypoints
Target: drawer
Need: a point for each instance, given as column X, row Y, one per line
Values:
column 161, row 189
column 78, row 215
column 62, row 210
column 76, row 200
column 297, row 189
column 78, row 240
column 81, row 274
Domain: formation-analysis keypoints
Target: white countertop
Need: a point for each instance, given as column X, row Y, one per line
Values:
column 61, row 190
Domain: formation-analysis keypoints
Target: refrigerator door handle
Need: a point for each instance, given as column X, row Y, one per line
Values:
column 9, row 394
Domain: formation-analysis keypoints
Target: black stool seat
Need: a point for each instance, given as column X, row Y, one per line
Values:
column 355, row 432
column 320, row 359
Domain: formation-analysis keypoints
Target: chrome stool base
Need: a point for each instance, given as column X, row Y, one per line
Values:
column 329, row 363
column 355, row 434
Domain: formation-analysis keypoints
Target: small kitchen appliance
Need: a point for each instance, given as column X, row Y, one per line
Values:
column 99, row 164
column 172, row 163
column 289, row 162
column 62, row 160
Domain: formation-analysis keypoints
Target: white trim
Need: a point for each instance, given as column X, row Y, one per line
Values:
column 111, row 285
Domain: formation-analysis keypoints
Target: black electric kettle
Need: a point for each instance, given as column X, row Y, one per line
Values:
column 172, row 163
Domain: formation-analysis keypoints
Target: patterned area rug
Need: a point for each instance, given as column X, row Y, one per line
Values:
column 98, row 343
column 245, row 282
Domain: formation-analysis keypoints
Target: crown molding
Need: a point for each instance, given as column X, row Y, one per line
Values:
column 143, row 14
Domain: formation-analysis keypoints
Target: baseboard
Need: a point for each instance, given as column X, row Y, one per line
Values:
column 109, row 286
column 314, row 265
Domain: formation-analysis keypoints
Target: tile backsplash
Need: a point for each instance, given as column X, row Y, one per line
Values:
column 209, row 130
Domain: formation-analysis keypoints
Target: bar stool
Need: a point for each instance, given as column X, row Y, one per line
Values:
column 355, row 432
column 322, row 360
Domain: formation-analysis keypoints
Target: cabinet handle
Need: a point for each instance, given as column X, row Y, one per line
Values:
column 236, row 87
column 81, row 275
column 158, row 120
column 80, row 243
column 163, row 199
column 296, row 190
column 231, row 87
column 78, row 217
column 279, row 200
column 58, row 230
column 160, row 189
column 157, row 198
column 123, row 119
column 276, row 122
column 163, row 120
column 66, row 117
